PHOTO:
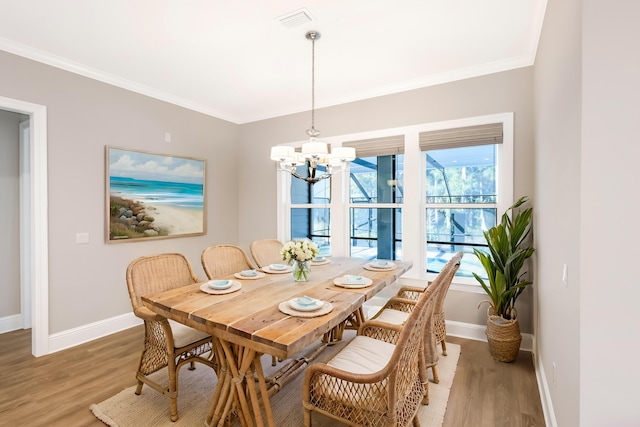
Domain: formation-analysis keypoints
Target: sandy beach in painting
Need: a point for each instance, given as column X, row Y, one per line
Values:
column 155, row 208
column 175, row 219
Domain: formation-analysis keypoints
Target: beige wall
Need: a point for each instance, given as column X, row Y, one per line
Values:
column 497, row 93
column 87, row 282
column 9, row 214
column 558, row 97
column 586, row 88
column 609, row 231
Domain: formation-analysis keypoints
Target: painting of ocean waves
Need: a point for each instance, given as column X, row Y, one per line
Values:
column 154, row 195
column 180, row 194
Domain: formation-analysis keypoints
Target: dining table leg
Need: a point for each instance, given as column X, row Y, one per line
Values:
column 236, row 390
column 221, row 404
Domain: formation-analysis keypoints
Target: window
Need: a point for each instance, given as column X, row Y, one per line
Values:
column 419, row 193
column 461, row 202
column 375, row 198
column 310, row 213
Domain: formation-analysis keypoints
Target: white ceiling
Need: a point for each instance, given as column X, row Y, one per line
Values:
column 235, row 60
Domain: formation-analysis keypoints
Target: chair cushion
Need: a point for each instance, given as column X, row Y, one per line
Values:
column 363, row 355
column 373, row 305
column 394, row 317
column 184, row 335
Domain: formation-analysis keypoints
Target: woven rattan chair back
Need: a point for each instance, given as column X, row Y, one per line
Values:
column 439, row 287
column 389, row 397
column 267, row 251
column 157, row 273
column 222, row 260
column 436, row 326
column 165, row 345
column 439, row 325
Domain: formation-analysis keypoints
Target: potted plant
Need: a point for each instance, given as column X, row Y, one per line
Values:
column 509, row 248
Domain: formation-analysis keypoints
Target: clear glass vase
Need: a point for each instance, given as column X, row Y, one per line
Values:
column 301, row 271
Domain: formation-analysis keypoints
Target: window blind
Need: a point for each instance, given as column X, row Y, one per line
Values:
column 374, row 147
column 461, row 137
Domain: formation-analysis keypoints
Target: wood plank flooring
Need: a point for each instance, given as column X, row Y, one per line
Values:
column 57, row 389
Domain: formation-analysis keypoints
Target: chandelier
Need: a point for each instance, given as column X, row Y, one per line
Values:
column 315, row 152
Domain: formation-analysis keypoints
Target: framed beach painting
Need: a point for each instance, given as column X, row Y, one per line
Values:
column 153, row 196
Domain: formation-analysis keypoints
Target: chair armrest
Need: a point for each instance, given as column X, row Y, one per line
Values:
column 145, row 314
column 380, row 330
column 410, row 292
column 395, row 303
column 316, row 370
column 401, row 304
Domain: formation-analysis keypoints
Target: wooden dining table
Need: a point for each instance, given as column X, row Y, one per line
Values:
column 247, row 323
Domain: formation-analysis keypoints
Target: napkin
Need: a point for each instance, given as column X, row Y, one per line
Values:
column 350, row 279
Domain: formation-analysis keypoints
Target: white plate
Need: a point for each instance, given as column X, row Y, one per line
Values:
column 278, row 267
column 236, row 286
column 257, row 276
column 366, row 282
column 372, row 266
column 317, row 306
column 266, row 269
column 323, row 262
column 219, row 285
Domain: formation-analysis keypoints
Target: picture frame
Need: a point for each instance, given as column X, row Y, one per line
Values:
column 153, row 196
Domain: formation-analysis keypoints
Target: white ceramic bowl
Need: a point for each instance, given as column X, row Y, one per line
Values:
column 220, row 284
column 249, row 273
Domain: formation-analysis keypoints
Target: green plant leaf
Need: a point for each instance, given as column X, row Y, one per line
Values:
column 506, row 257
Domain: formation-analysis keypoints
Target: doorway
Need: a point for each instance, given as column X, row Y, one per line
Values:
column 34, row 244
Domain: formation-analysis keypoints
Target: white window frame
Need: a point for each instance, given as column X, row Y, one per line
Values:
column 414, row 203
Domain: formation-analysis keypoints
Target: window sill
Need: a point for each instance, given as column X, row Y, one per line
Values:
column 458, row 284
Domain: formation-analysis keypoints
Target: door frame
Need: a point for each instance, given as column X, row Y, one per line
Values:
column 36, row 245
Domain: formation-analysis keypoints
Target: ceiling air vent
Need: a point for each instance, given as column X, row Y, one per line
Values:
column 293, row 19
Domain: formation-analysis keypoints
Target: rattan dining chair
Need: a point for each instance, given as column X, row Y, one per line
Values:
column 395, row 311
column 223, row 260
column 166, row 343
column 378, row 378
column 267, row 251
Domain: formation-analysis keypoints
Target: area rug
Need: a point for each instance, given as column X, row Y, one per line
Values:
column 150, row 408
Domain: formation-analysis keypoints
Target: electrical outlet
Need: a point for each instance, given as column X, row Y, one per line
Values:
column 82, row 238
column 167, row 137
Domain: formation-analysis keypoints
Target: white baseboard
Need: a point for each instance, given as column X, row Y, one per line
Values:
column 11, row 323
column 545, row 394
column 478, row 333
column 82, row 334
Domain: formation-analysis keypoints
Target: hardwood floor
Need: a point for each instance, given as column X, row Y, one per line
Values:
column 489, row 393
column 57, row 389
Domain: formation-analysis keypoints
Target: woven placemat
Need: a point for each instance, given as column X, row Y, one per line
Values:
column 286, row 309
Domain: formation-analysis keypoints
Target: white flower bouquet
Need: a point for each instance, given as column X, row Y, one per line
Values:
column 299, row 250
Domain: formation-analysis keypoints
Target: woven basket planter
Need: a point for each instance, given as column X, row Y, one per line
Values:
column 504, row 338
